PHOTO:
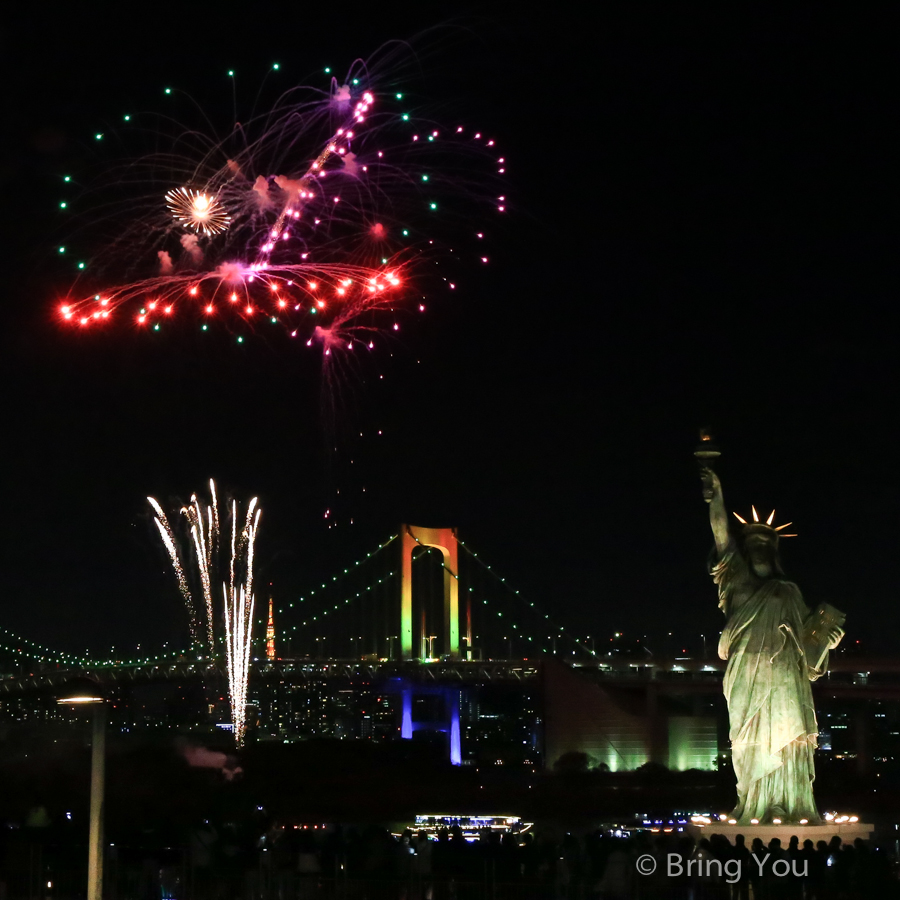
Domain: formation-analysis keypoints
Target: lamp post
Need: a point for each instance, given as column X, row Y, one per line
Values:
column 86, row 692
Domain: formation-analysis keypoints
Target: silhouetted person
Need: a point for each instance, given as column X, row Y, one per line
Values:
column 617, row 882
column 740, row 890
column 844, row 865
column 815, row 872
column 826, row 864
column 758, row 868
column 509, row 868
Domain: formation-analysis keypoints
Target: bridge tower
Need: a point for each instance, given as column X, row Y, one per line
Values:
column 444, row 539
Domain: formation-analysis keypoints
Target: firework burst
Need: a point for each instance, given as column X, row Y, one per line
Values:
column 198, row 211
column 317, row 216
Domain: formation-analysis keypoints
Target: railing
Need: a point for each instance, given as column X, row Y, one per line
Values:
column 299, row 669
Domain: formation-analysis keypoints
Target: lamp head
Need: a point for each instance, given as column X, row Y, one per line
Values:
column 81, row 692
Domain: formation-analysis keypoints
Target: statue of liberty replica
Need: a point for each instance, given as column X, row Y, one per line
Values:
column 775, row 647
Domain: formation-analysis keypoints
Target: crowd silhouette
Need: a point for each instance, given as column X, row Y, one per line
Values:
column 371, row 862
column 254, row 860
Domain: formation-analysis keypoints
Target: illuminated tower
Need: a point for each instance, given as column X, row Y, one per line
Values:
column 270, row 633
column 444, row 539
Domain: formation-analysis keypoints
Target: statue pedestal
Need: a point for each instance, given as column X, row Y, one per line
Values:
column 848, row 832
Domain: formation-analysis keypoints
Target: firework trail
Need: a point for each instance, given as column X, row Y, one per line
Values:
column 204, row 535
column 239, row 605
column 168, row 539
column 317, row 215
column 238, row 621
column 213, row 509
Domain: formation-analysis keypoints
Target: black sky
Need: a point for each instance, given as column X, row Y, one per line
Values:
column 703, row 231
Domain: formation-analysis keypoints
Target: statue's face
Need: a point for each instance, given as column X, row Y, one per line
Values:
column 761, row 556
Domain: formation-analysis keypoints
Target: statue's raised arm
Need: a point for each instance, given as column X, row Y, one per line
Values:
column 718, row 517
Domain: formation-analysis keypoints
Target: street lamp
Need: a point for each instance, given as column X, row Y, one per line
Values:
column 86, row 692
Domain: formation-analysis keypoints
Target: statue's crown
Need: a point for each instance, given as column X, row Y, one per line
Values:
column 764, row 529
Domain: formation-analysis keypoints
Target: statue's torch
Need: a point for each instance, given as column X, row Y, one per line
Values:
column 706, row 454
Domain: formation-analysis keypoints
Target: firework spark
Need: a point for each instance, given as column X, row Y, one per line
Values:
column 197, row 210
column 317, row 215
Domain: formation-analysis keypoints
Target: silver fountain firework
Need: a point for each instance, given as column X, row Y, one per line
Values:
column 203, row 523
column 239, row 615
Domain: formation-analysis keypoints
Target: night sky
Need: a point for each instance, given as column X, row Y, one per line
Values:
column 702, row 231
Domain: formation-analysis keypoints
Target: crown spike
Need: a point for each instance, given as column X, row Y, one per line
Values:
column 779, row 527
column 787, row 535
column 771, row 517
column 755, row 516
column 742, row 521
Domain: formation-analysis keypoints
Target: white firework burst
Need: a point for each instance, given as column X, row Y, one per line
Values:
column 198, row 210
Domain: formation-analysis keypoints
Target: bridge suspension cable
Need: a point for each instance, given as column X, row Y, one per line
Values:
column 544, row 631
column 356, row 613
column 24, row 648
column 20, row 648
column 341, row 617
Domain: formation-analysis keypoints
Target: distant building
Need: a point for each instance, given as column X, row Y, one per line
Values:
column 617, row 726
column 270, row 633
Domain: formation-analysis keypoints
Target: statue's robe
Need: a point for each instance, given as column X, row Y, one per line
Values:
column 773, row 726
